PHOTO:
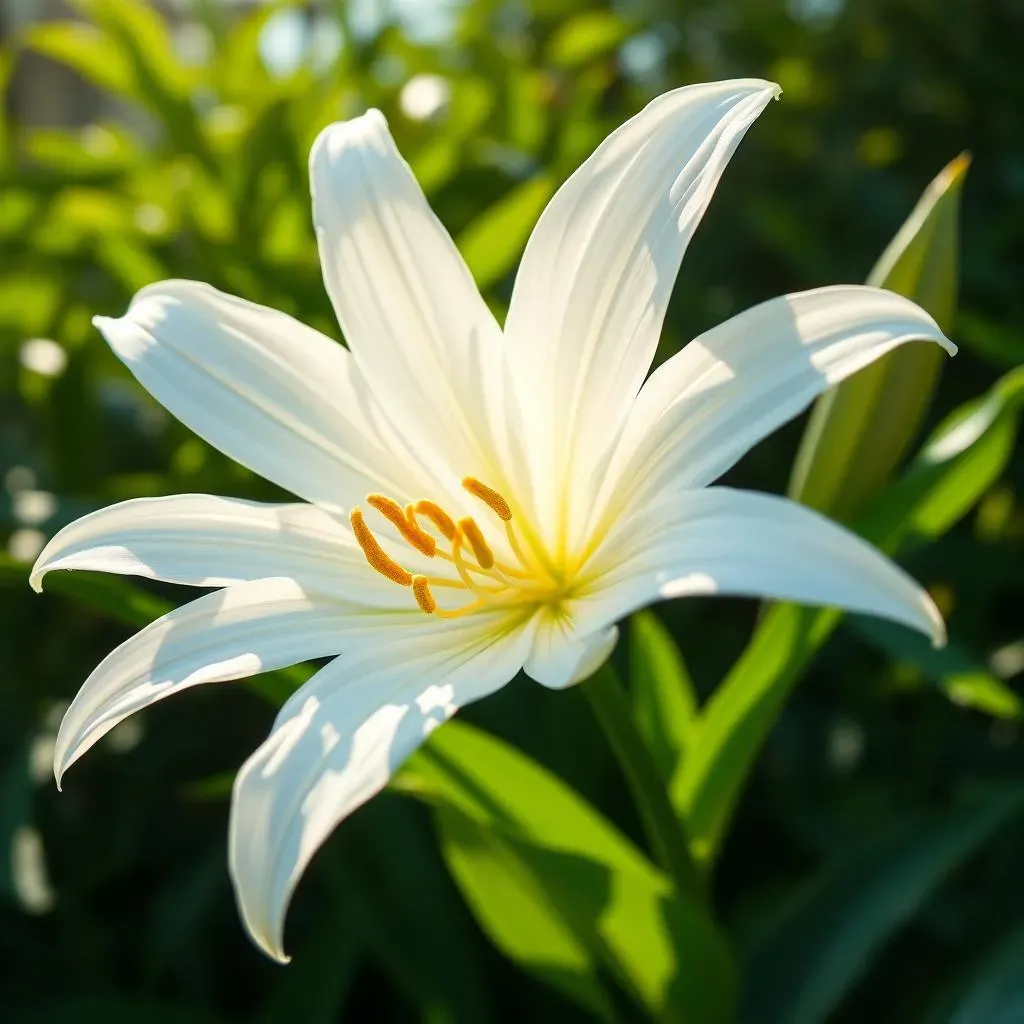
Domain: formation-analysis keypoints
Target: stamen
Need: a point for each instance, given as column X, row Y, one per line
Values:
column 463, row 570
column 424, row 598
column 513, row 542
column 481, row 551
column 375, row 554
column 490, row 497
column 436, row 515
column 395, row 514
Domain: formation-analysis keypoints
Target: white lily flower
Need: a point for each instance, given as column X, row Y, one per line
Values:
column 474, row 501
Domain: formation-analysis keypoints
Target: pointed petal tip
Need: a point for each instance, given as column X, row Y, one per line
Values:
column 936, row 627
column 35, row 578
column 271, row 948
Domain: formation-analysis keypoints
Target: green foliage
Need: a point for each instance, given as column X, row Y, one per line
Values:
column 860, row 430
column 957, row 464
column 560, row 889
column 854, row 824
column 819, row 943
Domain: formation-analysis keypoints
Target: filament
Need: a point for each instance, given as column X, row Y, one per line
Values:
column 481, row 551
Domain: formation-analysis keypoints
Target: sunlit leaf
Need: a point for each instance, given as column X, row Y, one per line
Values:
column 664, row 702
column 513, row 908
column 860, row 430
column 958, row 463
column 587, row 37
column 516, row 820
column 495, row 240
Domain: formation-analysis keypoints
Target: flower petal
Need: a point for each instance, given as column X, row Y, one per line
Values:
column 271, row 393
column 707, row 406
column 721, row 541
column 336, row 743
column 205, row 541
column 595, row 281
column 407, row 304
column 229, row 634
column 562, row 657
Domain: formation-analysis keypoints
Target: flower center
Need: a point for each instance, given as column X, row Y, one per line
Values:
column 478, row 572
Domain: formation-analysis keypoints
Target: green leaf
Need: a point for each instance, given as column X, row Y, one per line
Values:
column 87, row 50
column 490, row 781
column 125, row 47
column 662, row 950
column 387, row 864
column 961, row 460
column 494, row 241
column 994, row 990
column 509, row 901
column 587, row 37
column 861, row 429
column 805, row 960
column 507, row 822
column 960, row 675
column 664, row 702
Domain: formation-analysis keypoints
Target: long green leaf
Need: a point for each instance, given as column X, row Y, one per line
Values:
column 507, row 823
column 495, row 239
column 994, row 990
column 664, row 701
column 822, row 941
column 958, row 464
column 861, row 429
column 513, row 908
column 961, row 675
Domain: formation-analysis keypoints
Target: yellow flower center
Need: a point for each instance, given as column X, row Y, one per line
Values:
column 479, row 573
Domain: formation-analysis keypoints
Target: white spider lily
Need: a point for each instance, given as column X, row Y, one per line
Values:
column 475, row 501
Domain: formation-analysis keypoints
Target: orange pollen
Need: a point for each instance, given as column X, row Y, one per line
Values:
column 395, row 514
column 481, row 551
column 375, row 554
column 490, row 497
column 421, row 591
column 437, row 516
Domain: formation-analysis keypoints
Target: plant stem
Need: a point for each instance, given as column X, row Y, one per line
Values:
column 665, row 831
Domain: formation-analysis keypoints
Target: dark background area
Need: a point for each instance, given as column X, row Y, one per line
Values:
column 115, row 902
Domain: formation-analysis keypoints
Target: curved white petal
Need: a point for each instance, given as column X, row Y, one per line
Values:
column 406, row 302
column 721, row 541
column 595, row 281
column 336, row 743
column 271, row 393
column 201, row 540
column 561, row 656
column 229, row 634
column 707, row 406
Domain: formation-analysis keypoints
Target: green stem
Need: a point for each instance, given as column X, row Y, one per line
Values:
column 665, row 831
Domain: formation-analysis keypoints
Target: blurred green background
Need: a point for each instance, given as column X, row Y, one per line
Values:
column 144, row 141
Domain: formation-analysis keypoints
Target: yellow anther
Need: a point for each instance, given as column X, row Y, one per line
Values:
column 490, row 497
column 395, row 514
column 437, row 516
column 375, row 554
column 421, row 591
column 483, row 554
